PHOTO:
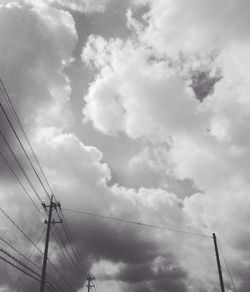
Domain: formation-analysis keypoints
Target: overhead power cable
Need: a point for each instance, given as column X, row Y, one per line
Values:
column 68, row 235
column 9, row 102
column 20, row 183
column 27, row 273
column 227, row 267
column 17, row 251
column 20, row 269
column 25, row 190
column 61, row 275
column 28, row 259
column 31, row 241
column 35, row 247
column 23, row 148
column 73, row 266
column 136, row 223
column 96, row 287
column 20, row 229
column 75, row 250
column 8, row 99
column 19, row 262
column 20, row 166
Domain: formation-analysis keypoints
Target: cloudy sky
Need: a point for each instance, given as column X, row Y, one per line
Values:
column 136, row 109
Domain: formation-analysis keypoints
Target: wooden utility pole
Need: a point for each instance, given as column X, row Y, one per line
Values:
column 90, row 284
column 49, row 223
column 218, row 264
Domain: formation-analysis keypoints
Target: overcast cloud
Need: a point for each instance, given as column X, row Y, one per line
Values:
column 136, row 109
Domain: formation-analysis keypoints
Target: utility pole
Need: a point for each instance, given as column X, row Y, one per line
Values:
column 90, row 284
column 218, row 264
column 49, row 223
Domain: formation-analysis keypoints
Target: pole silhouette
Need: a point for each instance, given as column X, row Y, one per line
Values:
column 49, row 223
column 218, row 264
column 90, row 284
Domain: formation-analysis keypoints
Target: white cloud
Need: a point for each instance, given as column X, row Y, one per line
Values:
column 42, row 48
column 140, row 96
column 72, row 165
column 34, row 54
column 175, row 27
column 143, row 88
column 87, row 6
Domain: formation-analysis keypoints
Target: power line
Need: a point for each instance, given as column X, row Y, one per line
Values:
column 30, row 240
column 51, row 288
column 35, row 193
column 23, row 130
column 20, row 229
column 96, row 286
column 69, row 235
column 21, row 144
column 18, row 268
column 19, row 181
column 18, row 261
column 25, row 272
column 49, row 223
column 30, row 162
column 8, row 99
column 20, row 166
column 227, row 267
column 6, row 96
column 13, row 172
column 65, row 280
column 72, row 265
column 136, row 223
column 29, row 258
column 17, row 251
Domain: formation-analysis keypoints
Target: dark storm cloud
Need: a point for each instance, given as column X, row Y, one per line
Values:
column 170, row 276
column 244, row 276
column 171, row 280
column 135, row 249
column 112, row 241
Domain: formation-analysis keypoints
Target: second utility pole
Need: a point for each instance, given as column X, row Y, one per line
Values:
column 89, row 284
column 51, row 206
column 218, row 264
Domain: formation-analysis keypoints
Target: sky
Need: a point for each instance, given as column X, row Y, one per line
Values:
column 138, row 110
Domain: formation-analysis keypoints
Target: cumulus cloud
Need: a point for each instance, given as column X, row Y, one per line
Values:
column 127, row 247
column 120, row 99
column 179, row 27
column 35, row 53
column 178, row 88
column 150, row 87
